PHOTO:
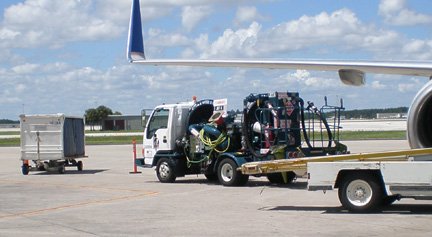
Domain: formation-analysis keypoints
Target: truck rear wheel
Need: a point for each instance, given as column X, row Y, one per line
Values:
column 211, row 177
column 165, row 171
column 229, row 175
column 360, row 192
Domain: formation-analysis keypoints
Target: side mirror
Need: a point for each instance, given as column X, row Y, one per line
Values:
column 143, row 118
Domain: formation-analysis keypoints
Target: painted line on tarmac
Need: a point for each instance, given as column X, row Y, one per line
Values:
column 71, row 186
column 77, row 205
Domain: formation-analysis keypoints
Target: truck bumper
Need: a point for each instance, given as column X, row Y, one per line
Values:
column 141, row 163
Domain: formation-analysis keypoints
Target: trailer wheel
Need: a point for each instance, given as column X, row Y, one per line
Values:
column 165, row 171
column 61, row 169
column 80, row 165
column 25, row 169
column 229, row 175
column 360, row 192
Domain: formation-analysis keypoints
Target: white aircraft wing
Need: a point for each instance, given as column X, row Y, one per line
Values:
column 350, row 72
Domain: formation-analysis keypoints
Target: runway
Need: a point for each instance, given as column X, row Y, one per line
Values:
column 346, row 125
column 374, row 125
column 105, row 200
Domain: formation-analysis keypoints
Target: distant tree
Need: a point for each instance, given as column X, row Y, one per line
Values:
column 96, row 116
column 371, row 113
column 103, row 112
column 8, row 121
column 91, row 117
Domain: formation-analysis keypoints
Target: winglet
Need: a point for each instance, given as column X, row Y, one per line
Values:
column 135, row 47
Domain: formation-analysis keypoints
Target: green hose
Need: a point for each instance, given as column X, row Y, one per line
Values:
column 214, row 143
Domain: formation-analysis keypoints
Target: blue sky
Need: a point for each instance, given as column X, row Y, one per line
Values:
column 68, row 56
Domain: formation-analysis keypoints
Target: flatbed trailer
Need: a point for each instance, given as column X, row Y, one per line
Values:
column 365, row 181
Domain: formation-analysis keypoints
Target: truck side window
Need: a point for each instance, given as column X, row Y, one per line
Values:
column 159, row 119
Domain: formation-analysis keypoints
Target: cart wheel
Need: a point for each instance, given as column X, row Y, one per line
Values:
column 61, row 169
column 79, row 165
column 360, row 192
column 25, row 169
column 229, row 175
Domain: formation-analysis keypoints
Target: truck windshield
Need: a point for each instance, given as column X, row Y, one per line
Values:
column 158, row 120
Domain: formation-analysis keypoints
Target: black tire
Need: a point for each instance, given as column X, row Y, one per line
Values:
column 165, row 171
column 277, row 178
column 25, row 169
column 388, row 200
column 360, row 192
column 211, row 177
column 229, row 175
column 61, row 169
column 80, row 165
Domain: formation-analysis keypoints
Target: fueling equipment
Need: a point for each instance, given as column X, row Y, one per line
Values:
column 203, row 137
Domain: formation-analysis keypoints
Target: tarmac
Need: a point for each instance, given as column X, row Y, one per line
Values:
column 106, row 200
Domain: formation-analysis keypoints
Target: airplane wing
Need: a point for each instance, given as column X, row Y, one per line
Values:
column 350, row 72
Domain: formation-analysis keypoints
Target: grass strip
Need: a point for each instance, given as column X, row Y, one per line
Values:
column 118, row 140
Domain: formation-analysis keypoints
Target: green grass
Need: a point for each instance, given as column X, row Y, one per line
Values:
column 111, row 131
column 111, row 140
column 87, row 132
column 10, row 142
column 10, row 133
column 372, row 135
column 344, row 136
column 366, row 135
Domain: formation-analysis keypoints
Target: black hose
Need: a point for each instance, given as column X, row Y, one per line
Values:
column 246, row 131
column 305, row 135
column 315, row 111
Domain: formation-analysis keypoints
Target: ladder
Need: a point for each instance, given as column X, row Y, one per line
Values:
column 284, row 165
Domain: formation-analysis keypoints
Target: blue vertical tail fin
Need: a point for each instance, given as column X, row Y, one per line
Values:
column 135, row 47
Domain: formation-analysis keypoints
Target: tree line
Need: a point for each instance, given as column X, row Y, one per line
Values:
column 95, row 116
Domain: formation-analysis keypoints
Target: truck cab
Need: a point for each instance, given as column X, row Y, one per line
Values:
column 164, row 126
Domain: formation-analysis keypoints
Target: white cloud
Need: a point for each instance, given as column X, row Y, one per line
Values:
column 339, row 31
column 341, row 28
column 26, row 68
column 7, row 34
column 378, row 85
column 247, row 14
column 395, row 12
column 81, row 85
column 418, row 49
column 20, row 88
column 234, row 43
column 412, row 85
column 192, row 15
column 158, row 37
column 58, row 22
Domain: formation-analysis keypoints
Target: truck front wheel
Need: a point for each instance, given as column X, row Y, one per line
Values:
column 165, row 171
column 229, row 175
column 360, row 192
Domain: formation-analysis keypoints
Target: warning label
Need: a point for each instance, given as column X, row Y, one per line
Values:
column 289, row 107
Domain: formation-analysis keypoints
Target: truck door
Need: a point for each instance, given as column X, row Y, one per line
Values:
column 156, row 134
